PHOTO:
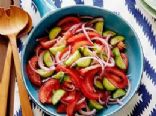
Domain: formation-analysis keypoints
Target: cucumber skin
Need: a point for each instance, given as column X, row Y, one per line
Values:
column 109, row 33
column 95, row 105
column 99, row 85
column 99, row 27
column 119, row 93
column 84, row 63
column 116, row 40
column 45, row 74
column 108, row 85
column 47, row 59
column 58, row 94
column 54, row 32
column 73, row 58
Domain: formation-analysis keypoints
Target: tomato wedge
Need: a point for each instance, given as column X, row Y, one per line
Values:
column 79, row 44
column 47, row 44
column 74, row 75
column 71, row 107
column 81, row 37
column 46, row 90
column 69, row 97
column 116, row 77
column 68, row 20
column 61, row 108
column 33, row 76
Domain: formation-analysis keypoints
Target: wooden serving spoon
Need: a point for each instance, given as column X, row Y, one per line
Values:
column 10, row 25
column 4, row 85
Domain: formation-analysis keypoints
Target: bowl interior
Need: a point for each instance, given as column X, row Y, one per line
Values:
column 112, row 22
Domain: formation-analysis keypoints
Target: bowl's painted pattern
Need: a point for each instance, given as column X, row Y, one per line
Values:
column 143, row 102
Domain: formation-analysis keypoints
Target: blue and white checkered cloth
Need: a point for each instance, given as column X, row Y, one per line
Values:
column 144, row 101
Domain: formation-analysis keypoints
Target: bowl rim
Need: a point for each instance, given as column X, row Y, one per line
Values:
column 94, row 7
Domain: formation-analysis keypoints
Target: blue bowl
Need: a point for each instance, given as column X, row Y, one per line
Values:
column 113, row 22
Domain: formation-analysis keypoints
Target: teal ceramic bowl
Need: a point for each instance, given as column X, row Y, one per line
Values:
column 113, row 22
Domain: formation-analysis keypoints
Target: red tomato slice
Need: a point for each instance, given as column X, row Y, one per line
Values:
column 116, row 77
column 68, row 20
column 33, row 76
column 69, row 97
column 47, row 44
column 71, row 107
column 61, row 108
column 81, row 37
column 79, row 44
column 46, row 90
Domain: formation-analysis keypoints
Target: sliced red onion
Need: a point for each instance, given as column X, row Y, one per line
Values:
column 96, row 20
column 37, row 50
column 78, row 114
column 87, row 29
column 105, row 44
column 70, row 88
column 41, row 64
column 81, row 100
column 74, row 28
column 87, row 113
column 57, row 57
column 32, row 68
column 67, row 54
column 86, row 34
column 94, row 58
column 90, row 68
column 103, row 102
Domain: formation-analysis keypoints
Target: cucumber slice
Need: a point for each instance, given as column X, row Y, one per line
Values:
column 83, row 62
column 99, row 85
column 58, row 94
column 93, row 104
column 116, row 52
column 120, row 63
column 118, row 59
column 44, row 73
column 108, row 85
column 54, row 50
column 59, row 75
column 99, row 27
column 109, row 33
column 116, row 40
column 54, row 32
column 87, row 52
column 73, row 58
column 119, row 93
column 67, row 78
column 47, row 59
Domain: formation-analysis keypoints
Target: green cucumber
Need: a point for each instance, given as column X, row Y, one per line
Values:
column 44, row 73
column 108, row 85
column 75, row 56
column 120, row 63
column 119, row 93
column 87, row 52
column 59, row 75
column 109, row 33
column 98, row 48
column 57, row 95
column 83, row 62
column 93, row 104
column 99, row 27
column 47, row 59
column 56, row 49
column 67, row 78
column 54, row 32
column 116, row 52
column 118, row 59
column 116, row 40
column 99, row 85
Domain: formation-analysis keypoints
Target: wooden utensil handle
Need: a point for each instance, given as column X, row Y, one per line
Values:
column 4, row 85
column 24, row 99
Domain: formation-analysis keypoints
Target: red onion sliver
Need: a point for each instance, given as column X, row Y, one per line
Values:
column 32, row 68
column 86, row 17
column 96, row 20
column 71, row 88
column 84, row 31
column 90, row 68
column 41, row 64
column 87, row 113
column 81, row 100
column 87, row 29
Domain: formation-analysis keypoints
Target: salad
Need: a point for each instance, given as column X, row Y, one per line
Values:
column 80, row 66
